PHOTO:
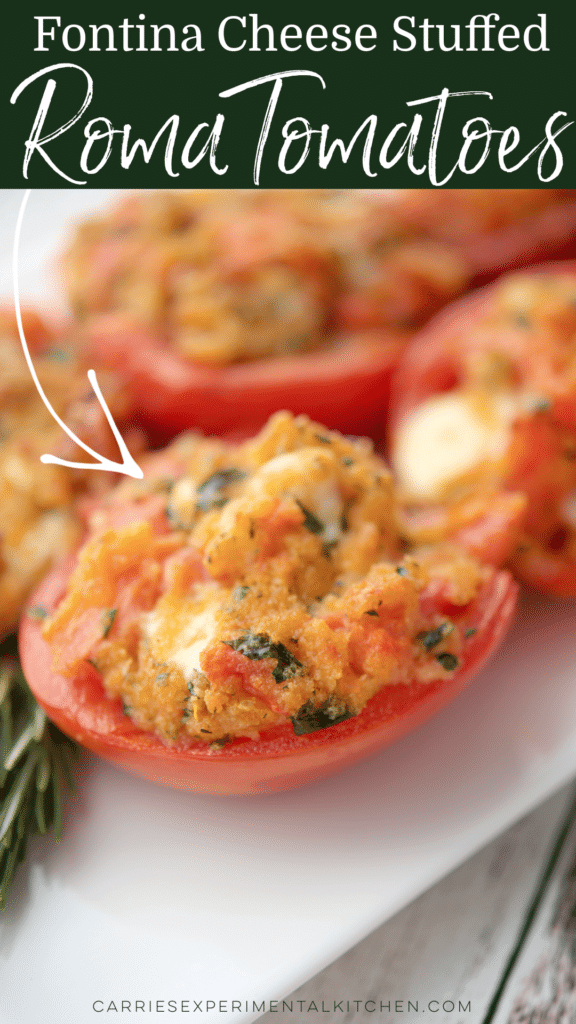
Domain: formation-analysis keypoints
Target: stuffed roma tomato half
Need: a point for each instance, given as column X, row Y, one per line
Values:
column 483, row 431
column 248, row 619
column 221, row 307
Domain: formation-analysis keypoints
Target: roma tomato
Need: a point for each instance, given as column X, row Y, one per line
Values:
column 483, row 426
column 449, row 240
column 221, row 307
column 247, row 617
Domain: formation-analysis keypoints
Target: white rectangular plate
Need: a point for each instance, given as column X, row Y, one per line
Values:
column 160, row 895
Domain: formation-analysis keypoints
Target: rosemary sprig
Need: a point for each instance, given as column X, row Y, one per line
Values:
column 35, row 763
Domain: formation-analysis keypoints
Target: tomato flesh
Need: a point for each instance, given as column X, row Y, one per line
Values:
column 278, row 760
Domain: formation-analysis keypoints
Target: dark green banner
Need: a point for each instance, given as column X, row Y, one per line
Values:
column 316, row 94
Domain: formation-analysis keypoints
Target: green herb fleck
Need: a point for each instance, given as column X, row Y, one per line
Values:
column 312, row 719
column 322, row 439
column 218, row 744
column 239, row 593
column 347, row 461
column 108, row 616
column 258, row 646
column 58, row 355
column 38, row 614
column 371, row 611
column 541, row 405
column 176, row 523
column 431, row 637
column 470, row 632
column 522, row 321
column 311, row 522
column 448, row 661
column 209, row 493
column 402, row 570
column 327, row 547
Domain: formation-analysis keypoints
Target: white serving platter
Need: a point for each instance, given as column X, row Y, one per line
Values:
column 157, row 896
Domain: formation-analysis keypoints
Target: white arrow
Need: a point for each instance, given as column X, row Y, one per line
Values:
column 128, row 466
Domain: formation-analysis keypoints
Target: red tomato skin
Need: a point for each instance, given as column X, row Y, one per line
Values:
column 277, row 761
column 345, row 388
column 548, row 235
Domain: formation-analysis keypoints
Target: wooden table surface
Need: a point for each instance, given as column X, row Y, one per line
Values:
column 493, row 943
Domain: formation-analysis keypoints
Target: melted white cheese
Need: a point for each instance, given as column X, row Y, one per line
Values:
column 308, row 476
column 447, row 437
column 179, row 637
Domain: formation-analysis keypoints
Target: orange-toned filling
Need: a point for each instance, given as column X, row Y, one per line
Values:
column 266, row 584
column 227, row 276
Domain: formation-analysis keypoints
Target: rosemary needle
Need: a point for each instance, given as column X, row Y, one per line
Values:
column 34, row 766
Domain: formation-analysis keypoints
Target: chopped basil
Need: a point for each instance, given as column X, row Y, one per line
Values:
column 311, row 522
column 327, row 547
column 322, row 439
column 402, row 571
column 58, row 355
column 522, row 321
column 470, row 632
column 258, row 646
column 209, row 493
column 371, row 611
column 311, row 719
column 218, row 744
column 174, row 519
column 38, row 614
column 108, row 616
column 240, row 592
column 347, row 461
column 448, row 661
column 431, row 638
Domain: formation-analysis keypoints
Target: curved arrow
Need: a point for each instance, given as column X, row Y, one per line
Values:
column 128, row 466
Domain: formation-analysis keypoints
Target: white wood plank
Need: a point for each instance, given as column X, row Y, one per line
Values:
column 449, row 946
column 541, row 988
